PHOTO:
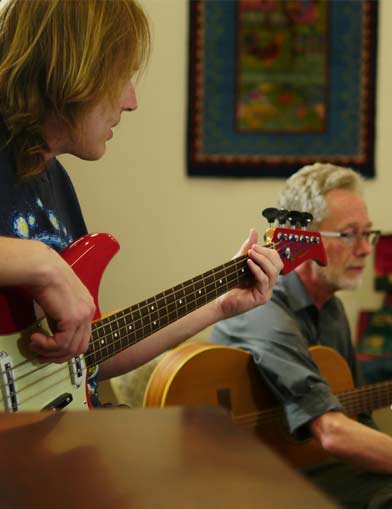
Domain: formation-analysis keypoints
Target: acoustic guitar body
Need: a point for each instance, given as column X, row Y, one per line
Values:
column 203, row 374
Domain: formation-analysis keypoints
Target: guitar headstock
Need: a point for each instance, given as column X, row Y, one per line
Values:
column 295, row 246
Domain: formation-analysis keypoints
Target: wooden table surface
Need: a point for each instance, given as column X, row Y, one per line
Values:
column 143, row 458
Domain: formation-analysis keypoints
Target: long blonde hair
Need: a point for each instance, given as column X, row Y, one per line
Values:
column 59, row 56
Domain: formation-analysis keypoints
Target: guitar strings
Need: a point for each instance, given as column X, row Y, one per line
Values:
column 354, row 399
column 46, row 377
column 260, row 417
column 23, row 402
column 210, row 293
column 265, row 416
column 223, row 272
column 219, row 274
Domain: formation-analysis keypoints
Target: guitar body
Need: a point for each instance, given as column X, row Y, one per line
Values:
column 36, row 386
column 197, row 374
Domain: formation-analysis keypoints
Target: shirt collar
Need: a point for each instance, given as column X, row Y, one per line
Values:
column 297, row 295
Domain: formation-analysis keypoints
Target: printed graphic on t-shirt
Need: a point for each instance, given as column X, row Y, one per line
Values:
column 40, row 223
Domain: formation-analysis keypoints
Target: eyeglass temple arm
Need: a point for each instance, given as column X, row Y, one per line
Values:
column 331, row 234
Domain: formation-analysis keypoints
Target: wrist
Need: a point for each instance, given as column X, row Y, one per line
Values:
column 217, row 310
column 44, row 265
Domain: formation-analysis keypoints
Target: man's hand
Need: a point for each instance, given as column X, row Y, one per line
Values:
column 69, row 308
column 265, row 265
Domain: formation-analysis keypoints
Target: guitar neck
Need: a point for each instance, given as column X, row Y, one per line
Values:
column 367, row 398
column 127, row 327
column 118, row 331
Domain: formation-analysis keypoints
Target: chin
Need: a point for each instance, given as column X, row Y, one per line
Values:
column 92, row 155
column 351, row 284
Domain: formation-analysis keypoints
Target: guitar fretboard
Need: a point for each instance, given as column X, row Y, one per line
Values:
column 362, row 399
column 120, row 330
column 367, row 398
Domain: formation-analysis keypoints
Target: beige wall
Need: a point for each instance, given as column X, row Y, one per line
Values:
column 172, row 227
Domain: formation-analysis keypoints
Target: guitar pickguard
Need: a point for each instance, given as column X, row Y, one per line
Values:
column 28, row 385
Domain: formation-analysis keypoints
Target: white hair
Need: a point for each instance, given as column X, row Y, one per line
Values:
column 306, row 189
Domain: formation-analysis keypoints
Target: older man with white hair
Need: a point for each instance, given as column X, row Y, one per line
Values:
column 304, row 312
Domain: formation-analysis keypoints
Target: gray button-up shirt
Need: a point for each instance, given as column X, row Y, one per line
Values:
column 278, row 335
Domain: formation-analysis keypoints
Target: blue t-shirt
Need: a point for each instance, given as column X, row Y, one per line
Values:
column 43, row 208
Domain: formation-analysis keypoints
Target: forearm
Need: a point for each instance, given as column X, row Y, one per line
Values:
column 162, row 340
column 24, row 262
column 353, row 442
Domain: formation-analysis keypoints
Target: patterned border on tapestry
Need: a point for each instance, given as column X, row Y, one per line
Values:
column 217, row 147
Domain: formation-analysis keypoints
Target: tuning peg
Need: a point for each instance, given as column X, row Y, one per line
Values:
column 306, row 219
column 282, row 216
column 294, row 217
column 270, row 214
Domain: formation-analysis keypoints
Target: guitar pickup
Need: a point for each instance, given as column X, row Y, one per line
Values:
column 8, row 385
column 76, row 367
column 59, row 403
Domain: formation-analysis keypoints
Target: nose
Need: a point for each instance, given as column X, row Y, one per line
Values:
column 129, row 102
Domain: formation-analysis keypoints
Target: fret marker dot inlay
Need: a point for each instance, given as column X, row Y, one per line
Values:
column 199, row 292
column 115, row 334
column 154, row 323
column 130, row 327
column 180, row 301
column 220, row 281
column 152, row 308
column 102, row 341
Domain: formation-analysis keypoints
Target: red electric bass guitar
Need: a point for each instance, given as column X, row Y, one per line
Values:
column 26, row 384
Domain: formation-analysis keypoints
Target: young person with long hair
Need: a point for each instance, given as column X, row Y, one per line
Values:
column 66, row 70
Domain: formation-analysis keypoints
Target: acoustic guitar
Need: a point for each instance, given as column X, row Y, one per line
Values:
column 199, row 374
column 26, row 384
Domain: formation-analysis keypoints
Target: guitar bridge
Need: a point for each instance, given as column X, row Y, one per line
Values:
column 8, row 385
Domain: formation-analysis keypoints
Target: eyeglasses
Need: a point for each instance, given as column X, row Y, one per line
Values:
column 371, row 236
